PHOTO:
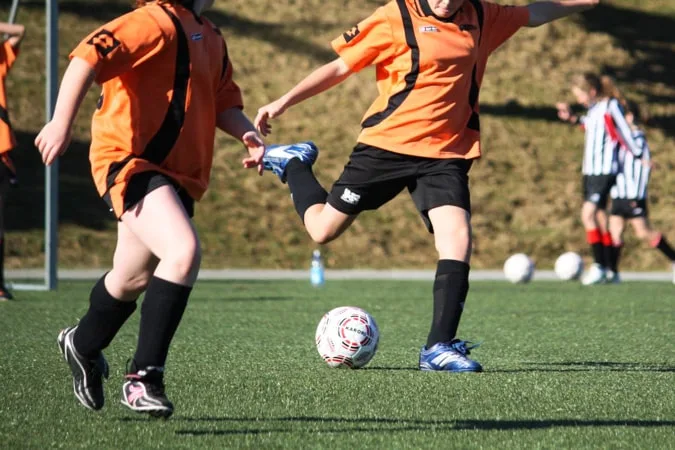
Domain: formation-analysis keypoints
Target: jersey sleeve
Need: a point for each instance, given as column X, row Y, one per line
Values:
column 369, row 42
column 500, row 23
column 8, row 56
column 228, row 94
column 121, row 45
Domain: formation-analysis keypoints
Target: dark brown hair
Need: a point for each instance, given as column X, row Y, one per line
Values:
column 603, row 85
column 187, row 3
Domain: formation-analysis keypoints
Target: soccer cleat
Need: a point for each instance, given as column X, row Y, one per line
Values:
column 449, row 357
column 5, row 294
column 595, row 275
column 612, row 277
column 87, row 373
column 143, row 392
column 277, row 156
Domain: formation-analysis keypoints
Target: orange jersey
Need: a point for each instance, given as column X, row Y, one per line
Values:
column 165, row 75
column 8, row 55
column 429, row 72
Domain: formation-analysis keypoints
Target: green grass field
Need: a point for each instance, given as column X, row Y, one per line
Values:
column 525, row 192
column 565, row 367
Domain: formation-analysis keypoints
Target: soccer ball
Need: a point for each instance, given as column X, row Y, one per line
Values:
column 347, row 337
column 569, row 266
column 519, row 268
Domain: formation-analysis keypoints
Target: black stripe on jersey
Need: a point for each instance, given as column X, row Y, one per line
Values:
column 114, row 169
column 165, row 139
column 474, row 120
column 4, row 116
column 226, row 60
column 411, row 77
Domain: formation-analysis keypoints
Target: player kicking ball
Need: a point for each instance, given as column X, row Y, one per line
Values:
column 422, row 134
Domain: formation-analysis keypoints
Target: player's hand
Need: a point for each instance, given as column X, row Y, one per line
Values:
column 564, row 111
column 267, row 112
column 52, row 141
column 256, row 151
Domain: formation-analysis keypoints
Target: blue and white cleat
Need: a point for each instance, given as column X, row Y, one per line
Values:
column 277, row 156
column 449, row 357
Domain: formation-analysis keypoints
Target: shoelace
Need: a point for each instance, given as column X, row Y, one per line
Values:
column 464, row 347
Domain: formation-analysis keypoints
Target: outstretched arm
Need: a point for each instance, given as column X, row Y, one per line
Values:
column 316, row 82
column 545, row 12
column 14, row 32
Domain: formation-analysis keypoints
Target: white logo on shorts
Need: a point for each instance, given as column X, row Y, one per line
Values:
column 595, row 198
column 350, row 197
column 637, row 211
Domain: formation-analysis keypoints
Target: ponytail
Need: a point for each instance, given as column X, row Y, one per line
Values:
column 609, row 89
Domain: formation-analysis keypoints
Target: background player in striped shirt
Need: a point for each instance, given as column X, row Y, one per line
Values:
column 9, row 51
column 629, row 200
column 167, row 85
column 606, row 130
column 422, row 134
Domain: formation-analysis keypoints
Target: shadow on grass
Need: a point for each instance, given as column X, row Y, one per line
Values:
column 79, row 203
column 588, row 366
column 649, row 38
column 515, row 109
column 385, row 425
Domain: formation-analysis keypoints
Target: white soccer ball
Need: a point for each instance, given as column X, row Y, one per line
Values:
column 569, row 266
column 519, row 268
column 347, row 337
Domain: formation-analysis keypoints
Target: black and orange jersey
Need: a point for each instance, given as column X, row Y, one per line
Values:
column 429, row 71
column 165, row 75
column 8, row 55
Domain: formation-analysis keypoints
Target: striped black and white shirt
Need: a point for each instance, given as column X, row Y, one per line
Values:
column 633, row 176
column 606, row 131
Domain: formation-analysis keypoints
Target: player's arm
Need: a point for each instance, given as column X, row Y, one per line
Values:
column 15, row 33
column 234, row 122
column 545, row 12
column 54, row 138
column 322, row 79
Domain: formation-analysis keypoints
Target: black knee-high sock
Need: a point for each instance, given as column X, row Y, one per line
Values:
column 161, row 313
column 2, row 261
column 305, row 189
column 450, row 289
column 665, row 248
column 103, row 320
column 615, row 256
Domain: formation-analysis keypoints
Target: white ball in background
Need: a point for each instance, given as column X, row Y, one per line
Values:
column 518, row 268
column 569, row 266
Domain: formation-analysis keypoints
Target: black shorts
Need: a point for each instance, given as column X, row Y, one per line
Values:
column 143, row 183
column 629, row 209
column 374, row 176
column 596, row 189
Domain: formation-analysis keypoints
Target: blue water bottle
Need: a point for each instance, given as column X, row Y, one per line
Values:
column 316, row 275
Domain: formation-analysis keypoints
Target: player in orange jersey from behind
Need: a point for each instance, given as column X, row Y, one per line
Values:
column 421, row 134
column 166, row 86
column 9, row 51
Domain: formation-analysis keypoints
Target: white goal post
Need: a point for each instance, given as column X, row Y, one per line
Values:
column 51, row 172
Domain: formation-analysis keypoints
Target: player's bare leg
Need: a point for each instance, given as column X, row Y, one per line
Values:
column 112, row 301
column 325, row 223
column 452, row 237
column 594, row 222
column 176, row 245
